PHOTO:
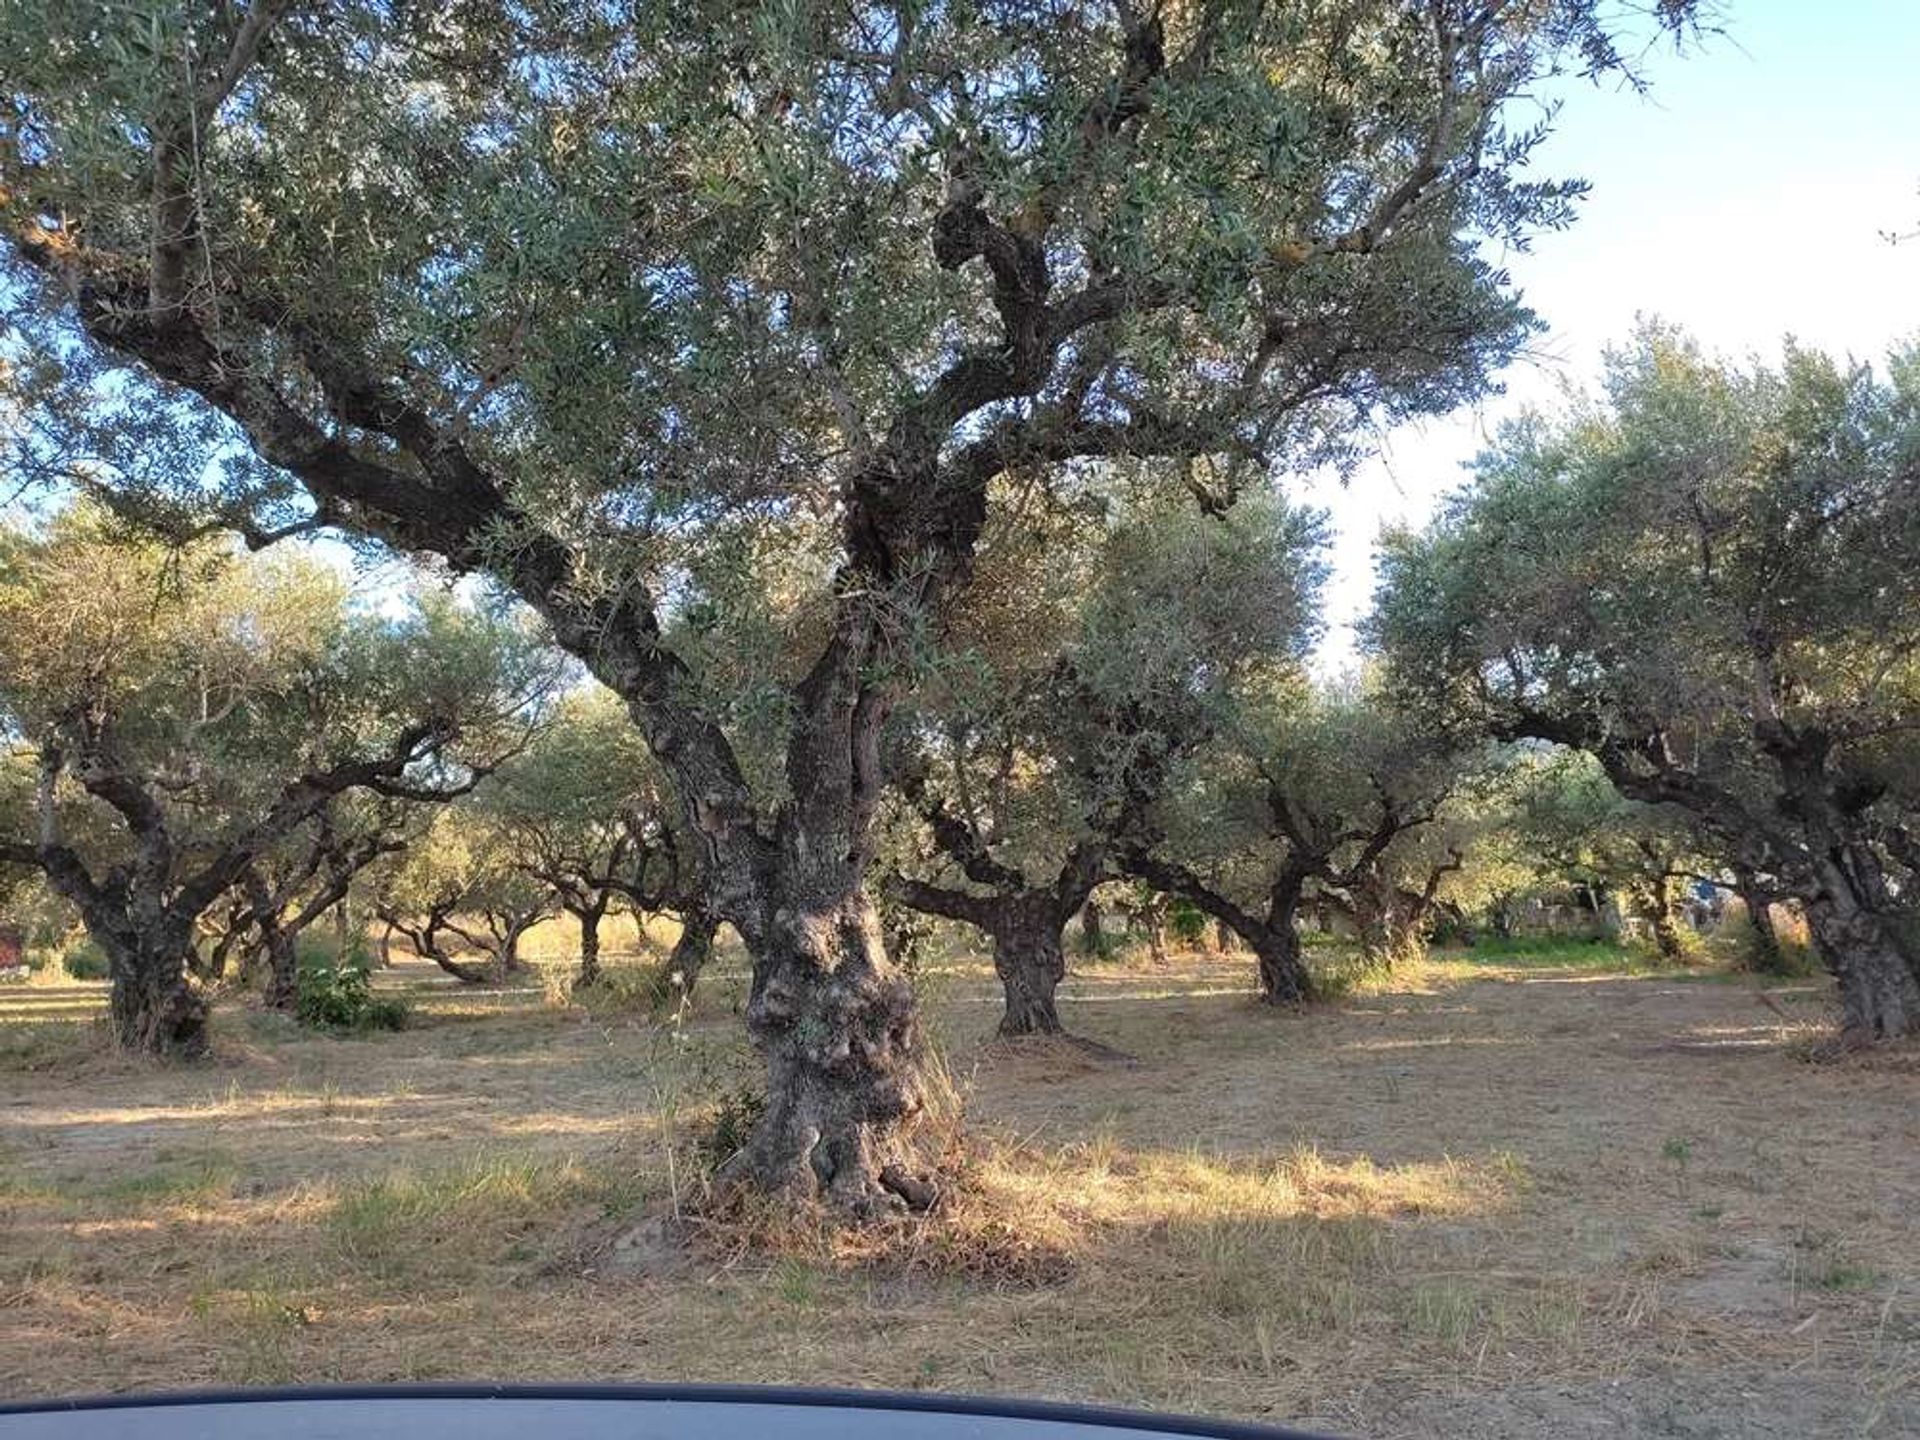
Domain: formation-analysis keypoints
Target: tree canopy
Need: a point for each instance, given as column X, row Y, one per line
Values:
column 1707, row 580
column 614, row 304
column 175, row 717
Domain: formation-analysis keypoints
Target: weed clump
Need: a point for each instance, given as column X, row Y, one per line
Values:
column 335, row 993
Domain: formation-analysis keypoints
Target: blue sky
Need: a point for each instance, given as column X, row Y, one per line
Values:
column 1744, row 198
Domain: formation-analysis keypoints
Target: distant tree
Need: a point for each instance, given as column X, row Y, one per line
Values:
column 458, row 888
column 1049, row 756
column 1306, row 792
column 178, row 716
column 1568, row 813
column 1706, row 582
column 580, row 297
column 586, row 811
column 283, row 892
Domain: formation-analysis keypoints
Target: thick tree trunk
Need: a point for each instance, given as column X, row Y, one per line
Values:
column 589, row 917
column 1276, row 945
column 155, row 1007
column 1667, row 937
column 1029, row 958
column 839, row 1031
column 1879, row 996
column 1283, row 973
column 283, row 970
column 1156, row 925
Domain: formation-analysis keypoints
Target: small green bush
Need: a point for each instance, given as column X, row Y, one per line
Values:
column 85, row 960
column 336, row 992
column 1186, row 921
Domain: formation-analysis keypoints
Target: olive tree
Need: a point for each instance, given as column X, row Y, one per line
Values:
column 561, row 293
column 289, row 887
column 183, row 714
column 1706, row 581
column 1047, row 760
column 458, row 888
column 1569, row 814
column 1308, row 792
column 585, row 811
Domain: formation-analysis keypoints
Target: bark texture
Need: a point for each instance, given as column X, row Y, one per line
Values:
column 840, row 1033
column 155, row 1006
column 684, row 963
column 1030, row 961
column 1879, row 994
column 589, row 917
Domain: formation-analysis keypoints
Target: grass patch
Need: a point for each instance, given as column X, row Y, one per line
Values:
column 460, row 1218
column 1555, row 953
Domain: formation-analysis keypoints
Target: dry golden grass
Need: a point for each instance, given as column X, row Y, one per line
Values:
column 1549, row 1198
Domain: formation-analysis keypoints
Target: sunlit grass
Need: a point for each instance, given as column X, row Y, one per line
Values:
column 1259, row 1208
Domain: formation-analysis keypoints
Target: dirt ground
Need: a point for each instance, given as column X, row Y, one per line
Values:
column 1486, row 1199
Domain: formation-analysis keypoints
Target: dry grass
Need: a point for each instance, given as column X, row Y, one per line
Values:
column 1551, row 1196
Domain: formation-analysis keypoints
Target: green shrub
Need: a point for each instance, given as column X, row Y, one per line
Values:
column 336, row 992
column 85, row 960
column 1186, row 921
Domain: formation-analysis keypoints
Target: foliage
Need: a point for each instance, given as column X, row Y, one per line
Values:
column 1186, row 922
column 84, row 960
column 336, row 992
column 1706, row 582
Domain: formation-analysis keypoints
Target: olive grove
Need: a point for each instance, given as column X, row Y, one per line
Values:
column 596, row 301
column 176, row 721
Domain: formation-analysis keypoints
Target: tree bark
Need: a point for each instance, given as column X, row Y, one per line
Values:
column 680, row 972
column 1030, row 959
column 283, row 970
column 155, row 1007
column 1879, row 996
column 839, row 1031
column 589, row 917
column 1283, row 973
column 1667, row 938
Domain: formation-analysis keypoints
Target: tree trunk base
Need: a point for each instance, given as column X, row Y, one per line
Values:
column 1284, row 978
column 163, row 1016
column 1031, row 962
column 1879, row 995
column 839, row 1031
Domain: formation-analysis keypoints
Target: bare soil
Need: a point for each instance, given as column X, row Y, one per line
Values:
column 1521, row 1200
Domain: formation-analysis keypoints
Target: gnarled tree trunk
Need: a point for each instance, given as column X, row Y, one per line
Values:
column 589, row 917
column 681, row 970
column 155, row 1006
column 283, row 971
column 1879, row 995
column 839, row 1031
column 1030, row 960
column 1274, row 938
column 1667, row 937
column 1283, row 973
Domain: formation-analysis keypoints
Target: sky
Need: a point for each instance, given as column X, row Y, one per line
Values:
column 1746, row 197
